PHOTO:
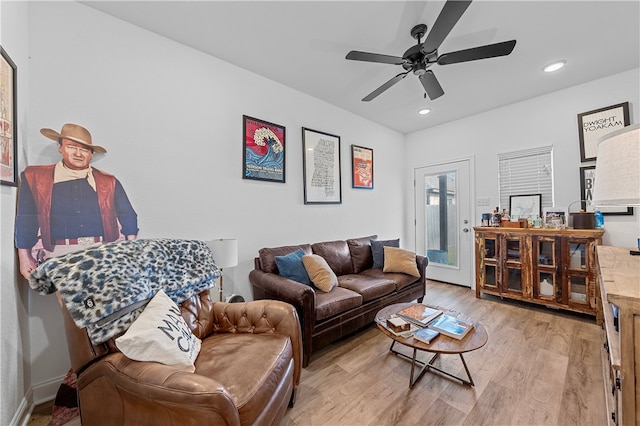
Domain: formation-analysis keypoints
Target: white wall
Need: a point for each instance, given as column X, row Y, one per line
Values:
column 546, row 120
column 171, row 120
column 14, row 326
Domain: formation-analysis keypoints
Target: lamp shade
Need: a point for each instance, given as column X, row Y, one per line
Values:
column 225, row 252
column 617, row 180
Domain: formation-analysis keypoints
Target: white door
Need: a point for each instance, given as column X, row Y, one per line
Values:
column 444, row 230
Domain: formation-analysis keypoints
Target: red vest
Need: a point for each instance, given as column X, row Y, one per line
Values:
column 40, row 180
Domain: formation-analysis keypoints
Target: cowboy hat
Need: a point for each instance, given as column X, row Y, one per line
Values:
column 73, row 132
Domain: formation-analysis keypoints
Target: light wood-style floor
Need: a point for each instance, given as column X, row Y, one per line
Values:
column 539, row 367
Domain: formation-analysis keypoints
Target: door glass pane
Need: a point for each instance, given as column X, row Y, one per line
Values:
column 577, row 259
column 546, row 284
column 513, row 249
column 490, row 248
column 441, row 218
column 490, row 275
column 514, row 280
column 545, row 253
column 578, row 289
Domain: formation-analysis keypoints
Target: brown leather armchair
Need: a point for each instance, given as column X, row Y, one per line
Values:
column 246, row 373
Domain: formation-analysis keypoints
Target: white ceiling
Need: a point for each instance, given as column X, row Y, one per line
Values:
column 302, row 44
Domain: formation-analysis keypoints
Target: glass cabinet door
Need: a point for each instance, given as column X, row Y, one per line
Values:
column 488, row 246
column 545, row 261
column 577, row 276
column 513, row 279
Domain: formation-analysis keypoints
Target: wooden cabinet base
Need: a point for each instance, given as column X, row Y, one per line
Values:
column 549, row 267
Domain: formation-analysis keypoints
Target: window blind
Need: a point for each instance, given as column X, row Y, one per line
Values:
column 525, row 172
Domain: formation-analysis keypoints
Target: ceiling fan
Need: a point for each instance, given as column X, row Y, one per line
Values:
column 419, row 58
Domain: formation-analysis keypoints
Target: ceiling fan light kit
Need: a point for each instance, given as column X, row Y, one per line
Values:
column 420, row 57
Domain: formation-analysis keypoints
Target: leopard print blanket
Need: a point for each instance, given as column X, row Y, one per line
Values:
column 105, row 288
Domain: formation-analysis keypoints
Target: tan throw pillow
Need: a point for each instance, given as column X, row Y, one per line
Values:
column 319, row 272
column 399, row 260
column 160, row 334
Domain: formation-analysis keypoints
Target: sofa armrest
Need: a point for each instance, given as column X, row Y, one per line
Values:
column 422, row 262
column 279, row 288
column 262, row 316
column 135, row 383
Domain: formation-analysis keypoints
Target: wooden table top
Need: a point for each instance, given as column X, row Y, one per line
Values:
column 442, row 344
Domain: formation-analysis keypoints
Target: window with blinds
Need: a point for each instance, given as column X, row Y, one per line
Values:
column 526, row 172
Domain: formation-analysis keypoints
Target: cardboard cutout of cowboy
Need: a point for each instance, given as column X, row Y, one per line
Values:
column 70, row 205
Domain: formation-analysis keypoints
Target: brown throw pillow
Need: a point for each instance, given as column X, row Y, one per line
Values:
column 399, row 260
column 319, row 272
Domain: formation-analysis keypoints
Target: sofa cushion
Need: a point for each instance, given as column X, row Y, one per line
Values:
column 267, row 255
column 369, row 288
column 399, row 260
column 291, row 266
column 360, row 249
column 160, row 334
column 319, row 272
column 401, row 280
column 337, row 255
column 249, row 367
column 339, row 300
column 377, row 250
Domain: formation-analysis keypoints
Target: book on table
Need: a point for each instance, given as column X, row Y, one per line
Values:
column 425, row 335
column 451, row 326
column 405, row 333
column 419, row 314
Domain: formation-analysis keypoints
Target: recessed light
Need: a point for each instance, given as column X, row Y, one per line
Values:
column 554, row 66
column 424, row 111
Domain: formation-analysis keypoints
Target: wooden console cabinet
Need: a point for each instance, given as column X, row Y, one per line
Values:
column 619, row 284
column 551, row 267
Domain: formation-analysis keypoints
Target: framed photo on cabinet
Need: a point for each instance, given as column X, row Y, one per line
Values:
column 8, row 125
column 361, row 167
column 263, row 156
column 321, row 167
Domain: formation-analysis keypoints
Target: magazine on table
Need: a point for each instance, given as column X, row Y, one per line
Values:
column 419, row 314
column 426, row 335
column 405, row 333
column 451, row 326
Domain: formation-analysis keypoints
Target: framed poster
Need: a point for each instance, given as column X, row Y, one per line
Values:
column 525, row 206
column 587, row 180
column 592, row 125
column 263, row 155
column 321, row 167
column 8, row 125
column 361, row 167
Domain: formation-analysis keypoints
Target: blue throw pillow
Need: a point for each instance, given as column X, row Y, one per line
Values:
column 291, row 266
column 377, row 250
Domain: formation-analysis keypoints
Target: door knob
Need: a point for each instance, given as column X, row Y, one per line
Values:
column 465, row 230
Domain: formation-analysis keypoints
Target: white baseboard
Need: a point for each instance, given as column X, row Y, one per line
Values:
column 38, row 394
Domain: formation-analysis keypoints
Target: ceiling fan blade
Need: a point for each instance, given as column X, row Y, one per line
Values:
column 449, row 16
column 431, row 85
column 374, row 57
column 475, row 53
column 384, row 87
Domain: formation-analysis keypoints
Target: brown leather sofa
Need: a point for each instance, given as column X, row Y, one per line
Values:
column 362, row 290
column 246, row 373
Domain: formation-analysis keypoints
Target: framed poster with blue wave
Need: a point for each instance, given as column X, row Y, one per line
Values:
column 264, row 150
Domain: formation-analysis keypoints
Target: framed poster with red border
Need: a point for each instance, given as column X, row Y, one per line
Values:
column 361, row 167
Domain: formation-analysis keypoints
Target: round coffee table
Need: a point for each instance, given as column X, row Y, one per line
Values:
column 442, row 344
